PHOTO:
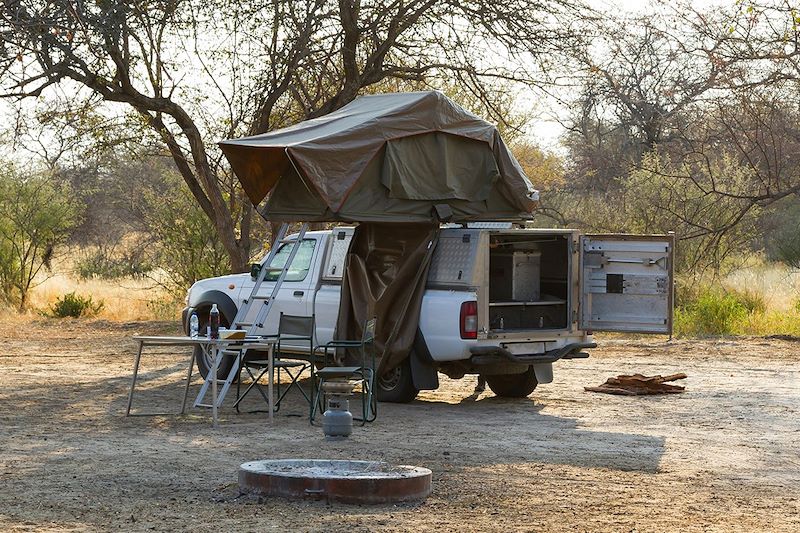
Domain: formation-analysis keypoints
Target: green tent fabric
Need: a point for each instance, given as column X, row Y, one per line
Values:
column 385, row 275
column 466, row 168
column 395, row 163
column 384, row 158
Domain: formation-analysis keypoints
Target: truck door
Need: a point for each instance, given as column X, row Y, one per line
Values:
column 626, row 283
column 296, row 291
column 326, row 300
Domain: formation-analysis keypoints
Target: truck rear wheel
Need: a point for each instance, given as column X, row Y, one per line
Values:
column 513, row 385
column 396, row 385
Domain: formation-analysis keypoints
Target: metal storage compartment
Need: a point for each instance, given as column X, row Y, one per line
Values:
column 528, row 281
column 526, row 276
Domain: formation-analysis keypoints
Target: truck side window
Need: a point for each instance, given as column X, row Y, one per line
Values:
column 298, row 270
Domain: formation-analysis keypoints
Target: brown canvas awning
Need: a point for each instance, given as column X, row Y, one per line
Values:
column 384, row 158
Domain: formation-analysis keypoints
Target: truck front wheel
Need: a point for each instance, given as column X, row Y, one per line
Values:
column 396, row 385
column 204, row 362
column 513, row 385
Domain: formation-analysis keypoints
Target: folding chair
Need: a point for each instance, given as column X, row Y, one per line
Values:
column 365, row 373
column 294, row 331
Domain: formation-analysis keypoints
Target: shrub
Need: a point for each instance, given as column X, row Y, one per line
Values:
column 37, row 215
column 75, row 306
column 105, row 263
column 167, row 308
column 753, row 301
column 186, row 246
column 714, row 312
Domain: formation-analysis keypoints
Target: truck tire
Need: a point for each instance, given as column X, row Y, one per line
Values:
column 204, row 364
column 397, row 385
column 513, row 385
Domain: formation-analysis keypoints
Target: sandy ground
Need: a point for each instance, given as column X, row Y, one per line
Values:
column 724, row 456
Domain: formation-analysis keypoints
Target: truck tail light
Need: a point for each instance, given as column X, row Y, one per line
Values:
column 469, row 320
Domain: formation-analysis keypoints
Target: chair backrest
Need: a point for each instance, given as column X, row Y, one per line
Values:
column 296, row 326
column 369, row 330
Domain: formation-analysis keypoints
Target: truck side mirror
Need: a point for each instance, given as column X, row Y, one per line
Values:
column 255, row 270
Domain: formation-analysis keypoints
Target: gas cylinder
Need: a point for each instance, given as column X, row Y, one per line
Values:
column 337, row 421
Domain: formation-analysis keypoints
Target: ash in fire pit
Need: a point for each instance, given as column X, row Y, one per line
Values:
column 340, row 481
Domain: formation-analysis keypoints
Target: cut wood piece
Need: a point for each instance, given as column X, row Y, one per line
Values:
column 611, row 390
column 638, row 384
column 673, row 377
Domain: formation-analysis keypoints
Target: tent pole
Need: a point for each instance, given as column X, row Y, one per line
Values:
column 297, row 170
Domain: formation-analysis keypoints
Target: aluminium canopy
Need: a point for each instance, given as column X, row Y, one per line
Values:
column 384, row 158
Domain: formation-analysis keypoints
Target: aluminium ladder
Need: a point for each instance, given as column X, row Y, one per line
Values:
column 261, row 316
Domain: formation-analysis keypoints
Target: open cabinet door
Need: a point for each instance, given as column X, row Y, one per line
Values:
column 626, row 283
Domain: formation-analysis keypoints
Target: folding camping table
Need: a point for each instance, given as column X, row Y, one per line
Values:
column 213, row 347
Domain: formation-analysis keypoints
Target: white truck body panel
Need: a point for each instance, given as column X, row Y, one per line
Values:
column 460, row 273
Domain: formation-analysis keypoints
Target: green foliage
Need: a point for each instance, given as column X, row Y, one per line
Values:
column 788, row 250
column 753, row 301
column 75, row 306
column 37, row 215
column 714, row 312
column 660, row 196
column 167, row 308
column 185, row 244
column 107, row 263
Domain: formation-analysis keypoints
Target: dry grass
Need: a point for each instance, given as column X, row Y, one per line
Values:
column 760, row 299
column 779, row 287
column 124, row 299
column 777, row 284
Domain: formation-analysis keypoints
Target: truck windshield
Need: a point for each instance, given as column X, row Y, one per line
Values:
column 298, row 270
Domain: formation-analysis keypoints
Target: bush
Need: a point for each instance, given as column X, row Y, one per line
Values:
column 167, row 308
column 37, row 215
column 105, row 263
column 714, row 312
column 753, row 301
column 186, row 246
column 75, row 306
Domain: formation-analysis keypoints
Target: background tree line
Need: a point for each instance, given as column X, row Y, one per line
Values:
column 679, row 120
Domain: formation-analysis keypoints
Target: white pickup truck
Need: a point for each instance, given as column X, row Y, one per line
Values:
column 503, row 303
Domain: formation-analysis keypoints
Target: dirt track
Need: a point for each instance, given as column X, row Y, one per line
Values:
column 723, row 456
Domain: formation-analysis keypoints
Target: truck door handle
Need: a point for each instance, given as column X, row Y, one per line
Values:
column 298, row 293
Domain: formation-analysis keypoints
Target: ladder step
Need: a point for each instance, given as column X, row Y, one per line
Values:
column 256, row 297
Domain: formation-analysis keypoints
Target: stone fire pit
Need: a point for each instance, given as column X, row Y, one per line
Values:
column 335, row 480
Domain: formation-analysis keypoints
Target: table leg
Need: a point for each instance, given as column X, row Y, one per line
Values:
column 271, row 367
column 215, row 353
column 133, row 381
column 188, row 382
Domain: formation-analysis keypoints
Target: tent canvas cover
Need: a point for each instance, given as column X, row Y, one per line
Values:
column 398, row 164
column 384, row 158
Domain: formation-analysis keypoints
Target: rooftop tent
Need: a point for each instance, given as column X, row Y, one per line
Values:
column 384, row 158
column 390, row 162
